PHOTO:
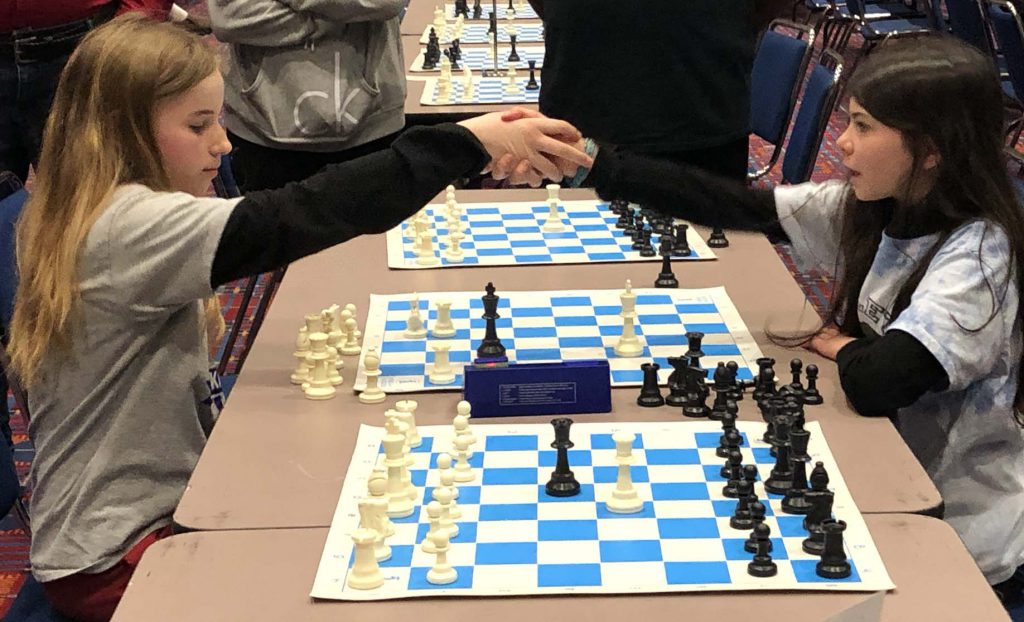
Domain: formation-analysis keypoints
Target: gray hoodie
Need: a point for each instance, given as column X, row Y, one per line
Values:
column 311, row 75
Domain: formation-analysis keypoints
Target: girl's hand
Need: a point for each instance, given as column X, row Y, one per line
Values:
column 828, row 342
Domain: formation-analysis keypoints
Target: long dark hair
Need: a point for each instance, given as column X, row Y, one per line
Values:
column 944, row 97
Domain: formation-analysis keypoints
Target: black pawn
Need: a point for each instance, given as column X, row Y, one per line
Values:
column 731, row 489
column 811, row 394
column 730, row 440
column 650, row 394
column 531, row 84
column 682, row 245
column 453, row 58
column 736, row 392
column 717, row 239
column 666, row 278
column 741, row 515
column 721, row 386
column 733, row 463
column 750, row 475
column 759, row 382
column 796, row 367
column 646, row 248
column 762, row 564
column 562, row 483
column 478, row 11
column 833, row 564
column 513, row 56
column 795, row 501
column 757, row 515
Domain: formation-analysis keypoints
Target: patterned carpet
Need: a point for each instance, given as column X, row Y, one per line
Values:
column 14, row 542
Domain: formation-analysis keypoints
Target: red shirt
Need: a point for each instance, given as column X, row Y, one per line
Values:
column 16, row 14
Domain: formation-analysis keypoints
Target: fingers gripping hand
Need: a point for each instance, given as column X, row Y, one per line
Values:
column 550, row 146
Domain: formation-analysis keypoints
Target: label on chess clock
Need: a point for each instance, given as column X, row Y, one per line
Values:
column 537, row 393
column 569, row 387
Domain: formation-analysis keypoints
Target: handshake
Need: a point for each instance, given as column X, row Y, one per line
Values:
column 526, row 147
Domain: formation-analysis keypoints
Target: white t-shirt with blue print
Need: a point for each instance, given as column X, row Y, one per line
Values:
column 964, row 312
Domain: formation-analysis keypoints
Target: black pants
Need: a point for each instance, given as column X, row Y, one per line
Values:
column 261, row 168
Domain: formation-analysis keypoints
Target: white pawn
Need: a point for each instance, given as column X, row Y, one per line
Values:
column 444, row 466
column 625, row 499
column 464, row 408
column 461, row 425
column 441, row 372
column 467, row 84
column 368, row 520
column 442, row 573
column 336, row 335
column 449, row 193
column 351, row 345
column 434, row 515
column 301, row 354
column 444, row 82
column 365, row 573
column 377, row 487
column 407, row 408
column 414, row 324
column 512, row 82
column 443, row 327
column 333, row 356
column 454, row 252
column 448, row 481
column 425, row 255
column 351, row 308
column 463, row 470
column 372, row 394
column 319, row 386
column 439, row 21
column 629, row 344
column 444, row 496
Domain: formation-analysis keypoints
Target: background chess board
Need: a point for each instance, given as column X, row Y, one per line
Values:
column 476, row 32
column 546, row 326
column 509, row 234
column 523, row 10
column 485, row 91
column 515, row 540
column 480, row 58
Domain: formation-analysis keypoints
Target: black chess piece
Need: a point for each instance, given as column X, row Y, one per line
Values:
column 750, row 474
column 733, row 462
column 721, row 386
column 781, row 422
column 765, row 378
column 531, row 84
column 796, row 367
column 666, row 278
column 492, row 23
column 728, row 441
column 478, row 11
column 694, row 342
column 646, row 248
column 833, row 564
column 736, row 390
column 511, row 7
column 682, row 245
column 781, row 478
column 731, row 488
column 462, row 8
column 798, row 440
column 757, row 512
column 740, row 518
column 795, row 502
column 490, row 347
column 513, row 56
column 676, row 389
column 762, row 565
column 696, row 392
column 563, row 482
column 453, row 59
column 457, row 48
column 811, row 394
column 718, row 239
column 650, row 395
column 821, row 500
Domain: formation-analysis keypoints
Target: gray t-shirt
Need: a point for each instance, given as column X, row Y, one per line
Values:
column 966, row 436
column 119, row 424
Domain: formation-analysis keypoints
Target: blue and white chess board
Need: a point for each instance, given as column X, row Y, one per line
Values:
column 476, row 32
column 514, row 539
column 479, row 59
column 522, row 10
column 549, row 326
column 484, row 91
column 509, row 234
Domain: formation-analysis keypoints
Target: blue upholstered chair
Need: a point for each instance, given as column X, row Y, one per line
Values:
column 820, row 94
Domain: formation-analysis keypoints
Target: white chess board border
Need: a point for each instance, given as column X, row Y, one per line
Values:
column 334, row 562
column 396, row 244
column 377, row 317
column 523, row 10
column 528, row 31
column 526, row 52
column 492, row 85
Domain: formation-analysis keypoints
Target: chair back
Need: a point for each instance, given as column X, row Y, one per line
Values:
column 819, row 100
column 967, row 23
column 779, row 67
column 224, row 183
column 1009, row 33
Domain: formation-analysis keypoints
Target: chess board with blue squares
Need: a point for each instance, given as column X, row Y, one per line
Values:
column 481, row 58
column 491, row 90
column 476, row 32
column 515, row 539
column 551, row 326
column 509, row 234
column 521, row 8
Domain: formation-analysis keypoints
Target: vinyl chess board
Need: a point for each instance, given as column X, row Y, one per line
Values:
column 522, row 10
column 484, row 91
column 547, row 326
column 479, row 59
column 514, row 539
column 510, row 234
column 476, row 32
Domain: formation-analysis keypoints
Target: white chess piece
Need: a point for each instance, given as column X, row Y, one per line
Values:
column 443, row 327
column 467, row 84
column 351, row 345
column 319, row 386
column 425, row 255
column 629, row 344
column 448, row 482
column 553, row 192
column 365, row 573
column 464, row 408
column 554, row 223
column 333, row 356
column 454, row 253
column 368, row 520
column 414, row 324
column 372, row 394
column 408, row 410
column 510, row 27
column 434, row 517
column 463, row 471
column 444, row 81
column 351, row 309
column 441, row 371
column 442, row 573
column 336, row 335
column 444, row 467
column 377, row 487
column 443, row 496
column 625, row 499
column 458, row 26
column 301, row 354
column 461, row 426
column 399, row 503
column 439, row 21
column 512, row 82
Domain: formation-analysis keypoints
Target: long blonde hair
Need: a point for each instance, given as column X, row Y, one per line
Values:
column 99, row 135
